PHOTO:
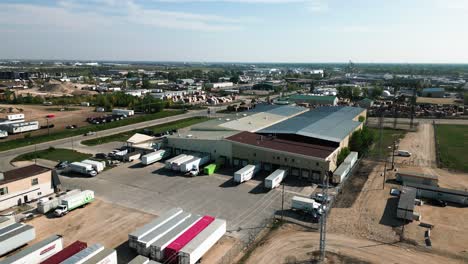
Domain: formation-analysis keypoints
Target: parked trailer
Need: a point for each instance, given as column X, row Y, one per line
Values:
column 22, row 127
column 144, row 230
column 83, row 168
column 195, row 249
column 351, row 158
column 106, row 256
column 74, row 201
column 194, row 163
column 38, row 252
column 97, row 165
column 122, row 112
column 132, row 156
column 65, row 253
column 15, row 236
column 157, row 248
column 171, row 252
column 45, row 206
column 13, row 117
column 169, row 162
column 143, row 260
column 305, row 204
column 84, row 254
column 246, row 173
column 176, row 164
column 143, row 245
column 6, row 221
column 340, row 173
column 154, row 157
column 274, row 179
column 3, row 134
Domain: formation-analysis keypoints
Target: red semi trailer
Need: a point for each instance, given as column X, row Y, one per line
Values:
column 65, row 253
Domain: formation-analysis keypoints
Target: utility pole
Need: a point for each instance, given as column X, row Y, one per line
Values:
column 384, row 173
column 393, row 154
column 48, row 128
column 282, row 203
column 323, row 217
column 35, row 153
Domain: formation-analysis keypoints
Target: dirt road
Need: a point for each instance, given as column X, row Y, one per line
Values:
column 290, row 244
column 422, row 147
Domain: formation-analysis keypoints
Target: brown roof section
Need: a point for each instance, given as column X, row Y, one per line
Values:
column 22, row 173
column 282, row 145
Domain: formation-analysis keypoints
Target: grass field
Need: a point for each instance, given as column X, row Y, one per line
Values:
column 453, row 146
column 17, row 143
column 388, row 136
column 156, row 129
column 54, row 154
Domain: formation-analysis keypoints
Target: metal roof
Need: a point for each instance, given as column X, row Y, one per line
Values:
column 332, row 123
column 312, row 97
column 407, row 197
column 433, row 89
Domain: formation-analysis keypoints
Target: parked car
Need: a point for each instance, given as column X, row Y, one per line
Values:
column 320, row 199
column 62, row 164
column 404, row 153
column 101, row 156
column 395, row 192
column 90, row 133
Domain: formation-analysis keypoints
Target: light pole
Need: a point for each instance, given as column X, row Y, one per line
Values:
column 393, row 155
column 282, row 203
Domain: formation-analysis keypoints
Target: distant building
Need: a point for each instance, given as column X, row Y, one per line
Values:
column 366, row 103
column 433, row 92
column 219, row 85
column 25, row 184
column 313, row 99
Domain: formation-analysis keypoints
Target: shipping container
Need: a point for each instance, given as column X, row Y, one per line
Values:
column 144, row 230
column 15, row 236
column 351, row 158
column 65, row 253
column 106, row 256
column 38, row 252
column 157, row 248
column 154, row 157
column 341, row 172
column 168, row 163
column 97, row 165
column 143, row 244
column 195, row 249
column 143, row 260
column 84, row 254
column 122, row 112
column 275, row 179
column 194, row 163
column 176, row 164
column 246, row 173
column 171, row 252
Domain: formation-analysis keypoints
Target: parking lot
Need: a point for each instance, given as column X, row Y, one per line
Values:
column 154, row 189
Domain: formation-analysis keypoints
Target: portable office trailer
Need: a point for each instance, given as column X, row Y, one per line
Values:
column 194, row 163
column 172, row 250
column 106, row 256
column 84, row 254
column 65, row 253
column 15, row 236
column 143, row 244
column 340, row 173
column 275, row 179
column 351, row 158
column 97, row 165
column 444, row 194
column 144, row 230
column 157, row 248
column 38, row 252
column 418, row 178
column 176, row 164
column 153, row 157
column 246, row 173
column 195, row 249
column 169, row 162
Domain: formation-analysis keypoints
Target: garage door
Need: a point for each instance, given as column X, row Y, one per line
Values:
column 316, row 176
column 295, row 172
column 267, row 166
column 245, row 163
column 235, row 162
column 305, row 174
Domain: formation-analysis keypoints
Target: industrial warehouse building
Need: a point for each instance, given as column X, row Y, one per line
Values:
column 305, row 141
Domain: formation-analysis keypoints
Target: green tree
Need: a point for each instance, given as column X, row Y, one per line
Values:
column 362, row 119
column 356, row 93
column 344, row 152
column 465, row 98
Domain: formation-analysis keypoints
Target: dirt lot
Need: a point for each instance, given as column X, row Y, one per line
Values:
column 61, row 119
column 421, row 145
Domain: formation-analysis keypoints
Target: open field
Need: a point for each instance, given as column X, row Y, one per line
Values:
column 21, row 142
column 388, row 136
column 156, row 129
column 452, row 146
column 54, row 154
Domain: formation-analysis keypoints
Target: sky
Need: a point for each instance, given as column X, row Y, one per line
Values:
column 395, row 31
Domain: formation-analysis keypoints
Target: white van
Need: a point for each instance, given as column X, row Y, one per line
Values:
column 404, row 153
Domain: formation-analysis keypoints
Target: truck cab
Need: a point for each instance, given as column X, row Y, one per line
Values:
column 61, row 210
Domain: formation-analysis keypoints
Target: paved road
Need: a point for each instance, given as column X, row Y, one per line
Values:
column 8, row 155
column 374, row 120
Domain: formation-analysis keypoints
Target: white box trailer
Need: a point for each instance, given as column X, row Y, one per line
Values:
column 74, row 201
column 84, row 254
column 15, row 117
column 153, row 157
column 143, row 260
column 38, row 252
column 340, row 173
column 46, row 205
column 194, row 163
column 304, row 204
column 124, row 112
column 246, row 173
column 15, row 236
column 3, row 134
column 106, row 256
column 168, row 163
column 176, row 164
column 82, row 168
column 157, row 248
column 351, row 158
column 97, row 165
column 143, row 245
column 275, row 179
column 22, row 127
column 132, row 156
column 195, row 249
column 6, row 221
column 144, row 230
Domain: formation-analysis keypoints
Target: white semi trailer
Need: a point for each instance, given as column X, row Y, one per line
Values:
column 38, row 252
column 153, row 157
column 275, row 179
column 246, row 173
column 194, row 163
column 306, row 204
column 176, row 164
column 14, row 236
column 168, row 163
column 82, row 168
column 97, row 165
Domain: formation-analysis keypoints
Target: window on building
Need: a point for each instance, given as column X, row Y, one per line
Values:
column 255, row 154
column 35, row 181
column 317, row 164
column 3, row 190
column 286, row 159
column 39, row 193
column 292, row 160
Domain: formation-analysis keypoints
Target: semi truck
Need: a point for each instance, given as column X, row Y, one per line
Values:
column 246, row 173
column 194, row 164
column 82, row 168
column 74, row 201
column 275, row 179
column 168, row 163
column 307, row 205
column 14, row 236
column 153, row 157
column 98, row 166
column 37, row 252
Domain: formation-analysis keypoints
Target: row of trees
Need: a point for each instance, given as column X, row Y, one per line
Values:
column 355, row 93
column 361, row 140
